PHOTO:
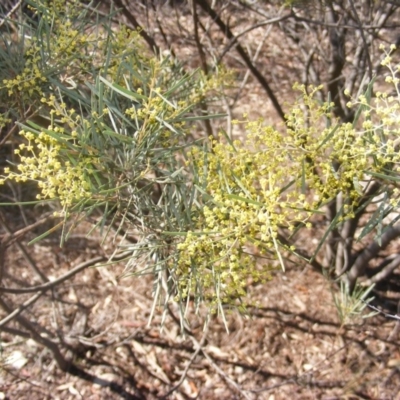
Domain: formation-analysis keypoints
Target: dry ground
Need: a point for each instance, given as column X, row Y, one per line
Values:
column 290, row 346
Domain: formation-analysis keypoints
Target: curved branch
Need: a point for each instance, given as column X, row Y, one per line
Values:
column 68, row 275
column 131, row 18
column 15, row 235
column 63, row 363
column 10, row 237
column 21, row 308
column 362, row 261
column 385, row 272
column 244, row 32
column 257, row 74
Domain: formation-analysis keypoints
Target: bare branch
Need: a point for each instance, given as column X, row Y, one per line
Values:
column 255, row 26
column 25, row 253
column 385, row 272
column 397, row 317
column 21, row 308
column 10, row 13
column 341, row 25
column 11, row 237
column 363, row 38
column 220, row 372
column 203, row 61
column 257, row 74
column 16, row 332
column 43, row 340
column 362, row 261
column 161, row 29
column 190, row 362
column 65, row 277
column 131, row 18
column 64, row 364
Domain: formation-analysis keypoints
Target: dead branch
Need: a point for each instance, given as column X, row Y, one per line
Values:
column 21, row 308
column 25, row 253
column 385, row 314
column 10, row 237
column 10, row 13
column 254, row 59
column 362, row 261
column 188, row 365
column 385, row 272
column 64, row 364
column 219, row 371
column 203, row 61
column 65, row 277
column 234, row 40
column 161, row 29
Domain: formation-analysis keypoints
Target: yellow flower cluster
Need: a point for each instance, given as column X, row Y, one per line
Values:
column 65, row 51
column 155, row 114
column 71, row 47
column 58, row 158
column 41, row 160
column 157, row 109
column 4, row 120
column 274, row 182
column 67, row 41
column 54, row 157
column 126, row 42
column 31, row 80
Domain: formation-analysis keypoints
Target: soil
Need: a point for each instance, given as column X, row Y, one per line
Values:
column 290, row 345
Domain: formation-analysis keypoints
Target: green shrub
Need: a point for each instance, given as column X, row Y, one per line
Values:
column 207, row 217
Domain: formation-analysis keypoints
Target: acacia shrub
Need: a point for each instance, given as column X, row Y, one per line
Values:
column 203, row 214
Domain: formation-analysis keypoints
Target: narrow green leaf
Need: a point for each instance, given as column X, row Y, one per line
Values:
column 122, row 91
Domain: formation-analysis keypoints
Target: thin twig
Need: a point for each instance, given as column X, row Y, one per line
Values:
column 16, row 332
column 295, row 379
column 10, row 13
column 234, row 40
column 220, row 372
column 254, row 59
column 199, row 346
column 131, row 18
column 363, row 39
column 21, row 308
column 387, row 315
column 190, row 362
column 397, row 325
column 25, row 253
column 11, row 237
column 257, row 74
column 63, row 278
column 340, row 25
column 203, row 62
